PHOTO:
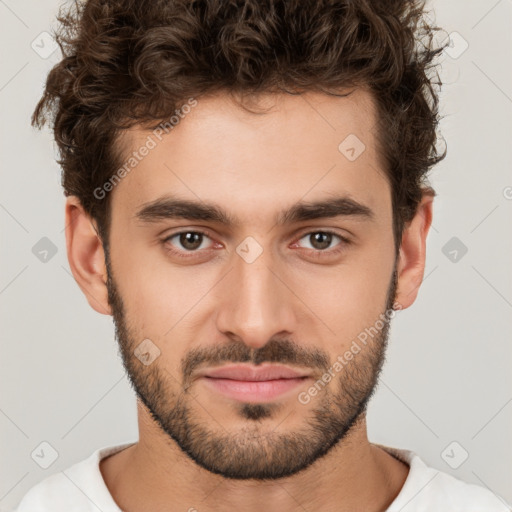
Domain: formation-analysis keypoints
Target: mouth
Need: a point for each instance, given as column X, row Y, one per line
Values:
column 253, row 384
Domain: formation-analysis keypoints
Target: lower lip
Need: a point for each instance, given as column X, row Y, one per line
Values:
column 252, row 391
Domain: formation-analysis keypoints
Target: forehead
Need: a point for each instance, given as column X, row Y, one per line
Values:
column 306, row 146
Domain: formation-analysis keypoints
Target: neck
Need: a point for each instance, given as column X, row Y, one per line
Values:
column 154, row 474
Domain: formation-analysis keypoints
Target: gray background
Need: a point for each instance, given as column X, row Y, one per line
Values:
column 448, row 375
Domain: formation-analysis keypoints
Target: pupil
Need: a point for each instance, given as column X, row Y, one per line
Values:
column 321, row 240
column 326, row 240
column 186, row 239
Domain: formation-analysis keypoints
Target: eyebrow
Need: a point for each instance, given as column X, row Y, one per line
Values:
column 171, row 207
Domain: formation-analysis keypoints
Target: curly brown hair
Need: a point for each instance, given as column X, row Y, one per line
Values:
column 127, row 62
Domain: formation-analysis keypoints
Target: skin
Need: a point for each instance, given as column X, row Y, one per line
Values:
column 253, row 166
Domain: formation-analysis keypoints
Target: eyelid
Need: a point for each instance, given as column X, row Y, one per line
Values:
column 189, row 230
column 344, row 239
column 316, row 253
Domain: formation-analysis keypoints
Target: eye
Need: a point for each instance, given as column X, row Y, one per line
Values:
column 322, row 240
column 190, row 241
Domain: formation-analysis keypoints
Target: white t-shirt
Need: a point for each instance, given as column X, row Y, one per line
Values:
column 81, row 488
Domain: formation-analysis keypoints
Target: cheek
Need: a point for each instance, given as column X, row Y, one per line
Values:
column 163, row 299
column 350, row 297
column 160, row 297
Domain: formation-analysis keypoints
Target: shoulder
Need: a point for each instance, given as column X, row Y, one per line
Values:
column 79, row 488
column 427, row 489
column 56, row 490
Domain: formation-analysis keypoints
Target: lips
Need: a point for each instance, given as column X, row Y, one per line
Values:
column 254, row 374
column 256, row 384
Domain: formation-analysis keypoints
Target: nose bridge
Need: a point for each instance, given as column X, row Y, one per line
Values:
column 256, row 304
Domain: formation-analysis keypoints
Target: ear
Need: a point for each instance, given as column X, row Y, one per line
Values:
column 86, row 256
column 411, row 264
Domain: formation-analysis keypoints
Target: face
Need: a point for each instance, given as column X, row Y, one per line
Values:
column 192, row 293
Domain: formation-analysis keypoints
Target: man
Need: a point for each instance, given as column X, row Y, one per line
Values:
column 247, row 198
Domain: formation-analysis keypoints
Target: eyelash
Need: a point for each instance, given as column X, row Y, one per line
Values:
column 316, row 253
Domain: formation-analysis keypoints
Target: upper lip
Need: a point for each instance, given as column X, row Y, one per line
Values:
column 253, row 373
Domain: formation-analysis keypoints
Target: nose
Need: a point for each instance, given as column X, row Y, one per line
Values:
column 256, row 302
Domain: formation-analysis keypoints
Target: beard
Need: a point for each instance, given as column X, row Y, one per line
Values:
column 252, row 452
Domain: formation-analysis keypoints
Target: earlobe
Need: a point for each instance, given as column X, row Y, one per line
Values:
column 412, row 255
column 86, row 255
